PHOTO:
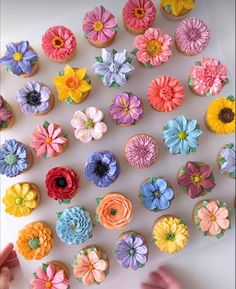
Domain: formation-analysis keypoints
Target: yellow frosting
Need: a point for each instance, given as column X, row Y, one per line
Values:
column 177, row 7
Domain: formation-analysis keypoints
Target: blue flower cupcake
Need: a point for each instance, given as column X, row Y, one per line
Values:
column 74, row 225
column 181, row 135
column 15, row 158
column 102, row 168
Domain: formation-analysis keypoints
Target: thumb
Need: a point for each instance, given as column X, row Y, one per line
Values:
column 5, row 275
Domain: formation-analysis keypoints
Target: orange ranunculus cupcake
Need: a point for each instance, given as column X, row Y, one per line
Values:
column 114, row 211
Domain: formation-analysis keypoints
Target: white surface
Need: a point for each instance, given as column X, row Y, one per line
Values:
column 210, row 265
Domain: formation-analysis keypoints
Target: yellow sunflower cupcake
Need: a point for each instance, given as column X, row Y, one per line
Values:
column 21, row 199
column 170, row 234
column 220, row 116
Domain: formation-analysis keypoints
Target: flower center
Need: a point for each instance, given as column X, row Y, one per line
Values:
column 58, row 42
column 154, row 47
column 113, row 212
column 182, row 135
column 48, row 140
column 10, row 159
column 33, row 98
column 89, row 123
column 132, row 251
column 98, row 26
column 226, row 115
column 101, row 169
column 170, row 236
column 72, row 82
column 166, row 93
column 90, row 267
column 73, row 227
column 34, row 243
column 193, row 34
column 17, row 56
column 114, row 67
column 139, row 12
column 157, row 193
column 213, row 218
column 61, row 182
column 18, row 201
column 196, row 179
column 48, row 284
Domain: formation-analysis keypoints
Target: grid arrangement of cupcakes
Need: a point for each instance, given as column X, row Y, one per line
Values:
column 152, row 47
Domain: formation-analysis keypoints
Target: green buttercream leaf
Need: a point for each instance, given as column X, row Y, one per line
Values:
column 104, row 256
column 116, row 28
column 226, row 81
column 220, row 235
column 167, row 8
column 87, row 78
column 198, row 63
column 129, row 60
column 4, row 124
column 61, row 73
column 98, row 201
column 69, row 100
column 148, row 64
column 8, row 69
column 115, row 85
column 191, row 82
column 35, row 275
column 205, row 203
column 222, row 161
column 181, row 221
column 231, row 97
column 114, row 251
column 96, row 218
column 46, row 156
column 208, row 94
column 64, row 134
column 99, row 58
column 58, row 215
column 205, row 233
column 44, row 267
column 46, row 124
column 230, row 145
column 153, row 240
column 134, row 51
column 5, row 105
column 114, row 51
column 66, row 201
column 101, row 77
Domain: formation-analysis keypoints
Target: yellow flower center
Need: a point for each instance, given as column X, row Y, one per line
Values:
column 139, row 12
column 48, row 140
column 89, row 123
column 91, row 268
column 196, row 179
column 57, row 42
column 72, row 82
column 213, row 218
column 48, row 284
column 98, row 26
column 17, row 56
column 18, row 201
column 170, row 236
column 182, row 135
column 157, row 193
column 154, row 47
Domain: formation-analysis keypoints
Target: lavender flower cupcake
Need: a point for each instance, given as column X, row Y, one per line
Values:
column 226, row 160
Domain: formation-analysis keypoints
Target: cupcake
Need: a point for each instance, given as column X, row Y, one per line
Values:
column 88, row 124
column 72, row 84
column 156, row 194
column 100, row 27
column 131, row 250
column 114, row 211
column 226, row 160
column 59, row 44
column 165, row 93
column 113, row 67
column 152, row 48
column 208, row 77
column 7, row 116
column 74, row 225
column 176, row 10
column 126, row 109
column 141, row 151
column 196, row 179
column 35, row 98
column 15, row 158
column 181, row 135
column 138, row 15
column 170, row 234
column 21, row 199
column 53, row 274
column 192, row 36
column 211, row 217
column 220, row 115
column 62, row 184
column 90, row 265
column 102, row 168
column 49, row 140
column 35, row 241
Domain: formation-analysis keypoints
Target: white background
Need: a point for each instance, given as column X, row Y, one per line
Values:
column 198, row 266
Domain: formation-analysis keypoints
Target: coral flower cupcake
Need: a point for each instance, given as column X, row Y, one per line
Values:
column 226, row 160
column 138, row 15
column 59, row 44
column 176, row 10
column 7, row 116
column 152, row 48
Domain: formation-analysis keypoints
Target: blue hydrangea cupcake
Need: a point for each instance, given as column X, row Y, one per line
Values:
column 15, row 158
column 181, row 135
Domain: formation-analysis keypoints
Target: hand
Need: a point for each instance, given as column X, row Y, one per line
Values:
column 161, row 279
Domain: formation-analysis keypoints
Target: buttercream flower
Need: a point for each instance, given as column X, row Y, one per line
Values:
column 74, row 225
column 72, row 84
column 35, row 241
column 62, row 184
column 113, row 67
column 114, row 211
column 177, row 8
column 88, row 125
column 181, row 135
column 153, row 47
column 226, row 160
column 156, row 194
column 102, row 168
column 165, row 93
column 6, row 114
column 126, row 109
column 48, row 140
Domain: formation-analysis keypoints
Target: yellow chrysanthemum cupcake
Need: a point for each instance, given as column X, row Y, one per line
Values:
column 170, row 234
column 21, row 199
column 220, row 116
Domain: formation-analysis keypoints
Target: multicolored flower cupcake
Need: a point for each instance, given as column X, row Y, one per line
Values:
column 20, row 59
column 74, row 225
column 165, row 93
column 72, row 84
column 226, row 160
column 152, row 48
column 131, row 250
column 35, row 241
column 138, row 15
column 62, row 184
column 196, row 179
column 49, row 140
column 15, row 158
column 126, row 109
column 102, row 168
column 176, row 10
column 156, row 194
column 88, row 124
column 114, row 211
column 181, row 135
column 90, row 265
column 113, row 67
column 141, row 151
column 100, row 27
column 7, row 116
column 59, row 44
column 220, row 115
column 35, row 98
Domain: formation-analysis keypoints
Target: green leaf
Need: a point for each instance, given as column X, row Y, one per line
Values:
column 205, row 203
column 104, row 256
column 207, row 94
column 222, row 161
column 8, row 69
column 97, row 218
column 134, row 51
column 99, row 58
column 226, row 81
column 220, row 235
column 115, row 85
column 35, row 275
column 66, row 201
column 5, row 105
column 153, row 240
column 205, row 233
column 101, row 77
column 148, row 64
column 61, row 73
column 46, row 124
column 168, row 8
column 114, row 251
column 46, row 156
column 230, row 145
column 198, row 63
column 182, row 221
column 44, row 267
column 69, row 100
column 87, row 78
column 4, row 124
column 191, row 82
column 98, row 201
column 116, row 28
column 64, row 134
column 58, row 215
column 231, row 97
column 114, row 51
column 129, row 60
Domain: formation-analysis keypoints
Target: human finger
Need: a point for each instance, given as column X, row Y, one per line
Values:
column 5, row 276
column 149, row 286
column 168, row 278
column 156, row 279
column 11, row 263
column 5, row 252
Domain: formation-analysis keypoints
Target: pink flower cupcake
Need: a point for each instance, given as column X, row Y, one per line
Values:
column 165, row 93
column 138, row 15
column 100, row 27
column 59, row 44
column 208, row 77
column 152, row 48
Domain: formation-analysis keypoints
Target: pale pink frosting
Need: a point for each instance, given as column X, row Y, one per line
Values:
column 192, row 36
column 141, row 151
